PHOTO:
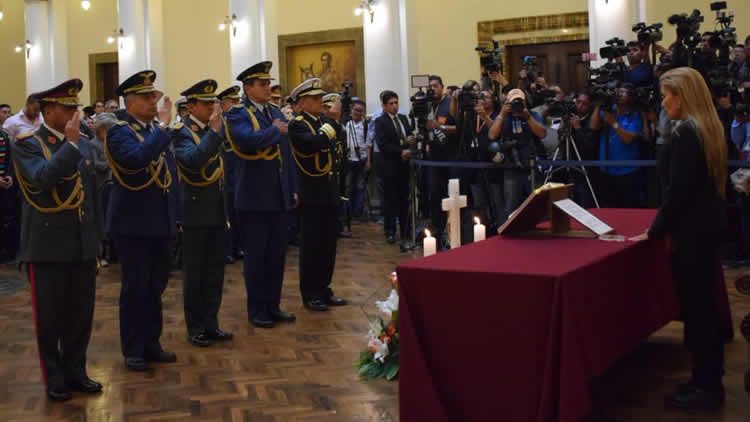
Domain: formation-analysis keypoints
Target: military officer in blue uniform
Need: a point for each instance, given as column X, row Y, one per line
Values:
column 142, row 216
column 266, row 191
column 313, row 138
column 228, row 98
column 54, row 168
column 197, row 142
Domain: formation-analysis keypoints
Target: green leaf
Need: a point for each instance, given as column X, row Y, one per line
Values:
column 391, row 373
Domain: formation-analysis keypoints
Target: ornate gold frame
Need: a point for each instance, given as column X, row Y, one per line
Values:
column 334, row 35
column 520, row 31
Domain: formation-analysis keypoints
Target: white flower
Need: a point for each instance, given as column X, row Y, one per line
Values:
column 389, row 305
column 381, row 349
column 376, row 327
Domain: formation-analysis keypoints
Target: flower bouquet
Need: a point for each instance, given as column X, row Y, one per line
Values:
column 380, row 358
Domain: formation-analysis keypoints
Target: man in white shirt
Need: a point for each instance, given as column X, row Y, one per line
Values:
column 359, row 161
column 29, row 119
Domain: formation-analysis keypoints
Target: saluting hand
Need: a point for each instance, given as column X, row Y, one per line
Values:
column 6, row 182
column 165, row 111
column 283, row 127
column 73, row 128
column 215, row 120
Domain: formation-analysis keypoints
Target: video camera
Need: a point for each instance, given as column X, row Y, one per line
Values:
column 346, row 102
column 563, row 108
column 491, row 60
column 529, row 64
column 603, row 83
column 687, row 25
column 420, row 104
column 614, row 48
column 649, row 34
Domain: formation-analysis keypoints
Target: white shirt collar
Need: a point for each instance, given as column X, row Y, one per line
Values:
column 260, row 107
column 57, row 134
column 198, row 122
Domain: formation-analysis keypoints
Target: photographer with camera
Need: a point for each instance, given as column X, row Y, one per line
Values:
column 640, row 71
column 359, row 159
column 622, row 130
column 520, row 132
column 486, row 191
column 587, row 142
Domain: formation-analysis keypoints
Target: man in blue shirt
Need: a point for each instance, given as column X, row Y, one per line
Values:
column 622, row 130
column 640, row 71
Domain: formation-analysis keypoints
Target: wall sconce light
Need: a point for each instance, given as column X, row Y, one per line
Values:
column 85, row 5
column 230, row 22
column 366, row 6
column 116, row 35
column 1, row 15
column 19, row 48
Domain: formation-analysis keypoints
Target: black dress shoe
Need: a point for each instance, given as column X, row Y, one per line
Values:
column 136, row 364
column 335, row 301
column 229, row 260
column 391, row 239
column 239, row 255
column 316, row 305
column 59, row 394
column 406, row 246
column 219, row 335
column 85, row 385
column 161, row 356
column 200, row 340
column 262, row 319
column 345, row 234
column 281, row 316
column 690, row 397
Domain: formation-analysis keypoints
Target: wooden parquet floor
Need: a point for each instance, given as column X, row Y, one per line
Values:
column 302, row 371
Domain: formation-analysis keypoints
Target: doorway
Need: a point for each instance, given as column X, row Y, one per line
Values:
column 559, row 62
column 104, row 74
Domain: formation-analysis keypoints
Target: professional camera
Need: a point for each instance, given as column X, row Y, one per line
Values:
column 529, row 64
column 420, row 105
column 603, row 83
column 346, row 102
column 687, row 25
column 563, row 108
column 468, row 98
column 645, row 98
column 517, row 105
column 649, row 34
column 614, row 48
column 491, row 60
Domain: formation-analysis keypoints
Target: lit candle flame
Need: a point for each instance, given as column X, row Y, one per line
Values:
column 427, row 233
column 476, row 220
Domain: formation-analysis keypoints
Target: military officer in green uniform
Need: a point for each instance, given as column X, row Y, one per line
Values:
column 313, row 138
column 197, row 141
column 59, row 244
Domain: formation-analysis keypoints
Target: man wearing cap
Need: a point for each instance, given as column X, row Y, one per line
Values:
column 313, row 140
column 141, row 217
column 228, row 98
column 182, row 110
column 197, row 141
column 276, row 96
column 266, row 191
column 54, row 169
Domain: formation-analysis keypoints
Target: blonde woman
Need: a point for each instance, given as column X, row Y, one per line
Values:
column 692, row 215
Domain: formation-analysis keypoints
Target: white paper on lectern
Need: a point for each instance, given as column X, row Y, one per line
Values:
column 584, row 217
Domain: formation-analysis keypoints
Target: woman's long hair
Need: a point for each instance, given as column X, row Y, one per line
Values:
column 697, row 105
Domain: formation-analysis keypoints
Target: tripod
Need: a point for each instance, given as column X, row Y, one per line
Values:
column 565, row 139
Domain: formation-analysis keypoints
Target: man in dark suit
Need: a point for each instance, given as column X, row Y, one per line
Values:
column 228, row 98
column 266, row 191
column 393, row 136
column 59, row 243
column 142, row 217
column 313, row 141
column 197, row 140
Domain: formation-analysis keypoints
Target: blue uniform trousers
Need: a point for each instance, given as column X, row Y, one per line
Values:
column 265, row 235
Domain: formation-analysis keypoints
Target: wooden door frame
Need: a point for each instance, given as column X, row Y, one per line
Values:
column 533, row 30
column 95, row 59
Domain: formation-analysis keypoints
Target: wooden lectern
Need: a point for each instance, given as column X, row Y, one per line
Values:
column 551, row 203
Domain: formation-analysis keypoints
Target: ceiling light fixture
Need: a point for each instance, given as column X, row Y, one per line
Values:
column 366, row 6
column 85, row 5
column 229, row 22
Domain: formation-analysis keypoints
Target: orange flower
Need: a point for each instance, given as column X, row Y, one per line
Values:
column 391, row 330
column 372, row 349
column 386, row 340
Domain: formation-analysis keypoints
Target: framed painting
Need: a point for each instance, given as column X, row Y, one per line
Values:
column 335, row 56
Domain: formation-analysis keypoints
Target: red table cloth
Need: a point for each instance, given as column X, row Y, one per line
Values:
column 514, row 329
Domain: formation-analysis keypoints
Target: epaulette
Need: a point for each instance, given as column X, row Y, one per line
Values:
column 25, row 135
column 83, row 135
column 121, row 123
column 177, row 126
column 300, row 118
column 238, row 106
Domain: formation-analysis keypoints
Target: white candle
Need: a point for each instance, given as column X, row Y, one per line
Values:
column 429, row 244
column 480, row 231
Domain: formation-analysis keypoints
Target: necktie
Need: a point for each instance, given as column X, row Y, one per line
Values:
column 267, row 112
column 400, row 130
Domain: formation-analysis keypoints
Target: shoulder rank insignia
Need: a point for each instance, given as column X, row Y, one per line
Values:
column 300, row 118
column 194, row 128
column 121, row 123
column 135, row 126
column 177, row 126
column 51, row 139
